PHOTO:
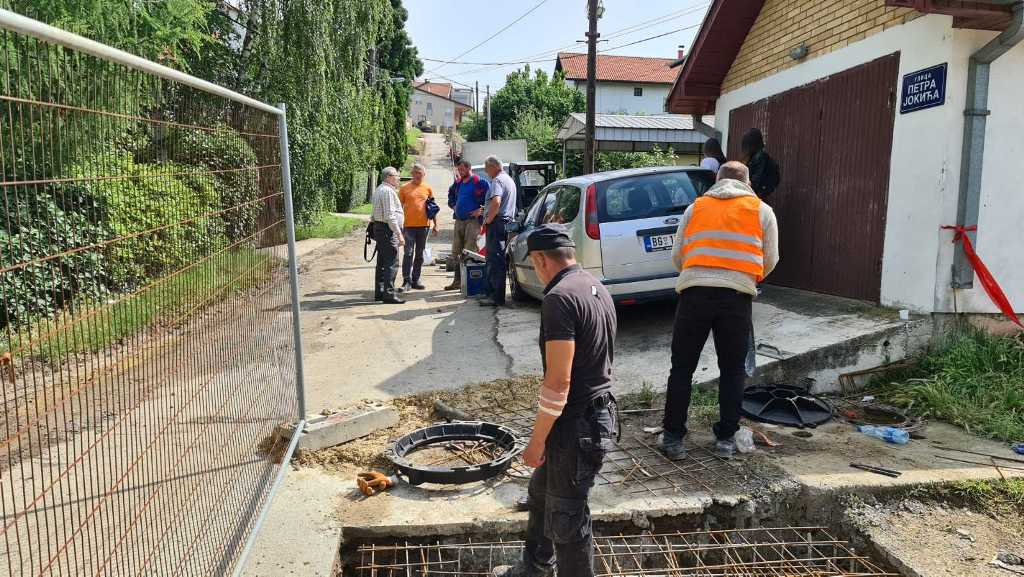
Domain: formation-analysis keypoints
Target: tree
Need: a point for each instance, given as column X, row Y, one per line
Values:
column 545, row 96
column 398, row 57
column 539, row 134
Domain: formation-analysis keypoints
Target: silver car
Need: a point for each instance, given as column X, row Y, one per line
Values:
column 623, row 222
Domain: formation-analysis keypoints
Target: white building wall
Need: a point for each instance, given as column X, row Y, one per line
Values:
column 925, row 163
column 441, row 112
column 618, row 98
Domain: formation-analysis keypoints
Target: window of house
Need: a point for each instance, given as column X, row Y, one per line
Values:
column 638, row 91
column 430, row 109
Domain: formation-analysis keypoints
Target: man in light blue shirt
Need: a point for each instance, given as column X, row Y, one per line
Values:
column 500, row 209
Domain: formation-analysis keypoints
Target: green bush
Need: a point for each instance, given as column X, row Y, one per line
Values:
column 223, row 150
column 168, row 200
column 38, row 228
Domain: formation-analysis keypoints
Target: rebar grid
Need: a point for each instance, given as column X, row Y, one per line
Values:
column 786, row 551
column 633, row 463
column 145, row 321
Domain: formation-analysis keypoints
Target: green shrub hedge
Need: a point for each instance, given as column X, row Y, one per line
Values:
column 168, row 199
column 37, row 228
column 223, row 149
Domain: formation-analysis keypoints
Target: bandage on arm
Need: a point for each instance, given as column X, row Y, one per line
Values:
column 552, row 401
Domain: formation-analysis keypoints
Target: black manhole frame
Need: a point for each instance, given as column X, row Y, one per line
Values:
column 795, row 393
column 504, row 437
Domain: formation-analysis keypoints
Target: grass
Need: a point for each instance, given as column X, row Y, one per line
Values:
column 329, row 226
column 975, row 381
column 996, row 497
column 362, row 209
column 412, row 139
column 167, row 302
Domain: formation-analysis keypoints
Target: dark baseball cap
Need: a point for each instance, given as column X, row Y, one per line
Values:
column 548, row 237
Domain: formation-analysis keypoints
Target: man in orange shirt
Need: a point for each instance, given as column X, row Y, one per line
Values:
column 414, row 195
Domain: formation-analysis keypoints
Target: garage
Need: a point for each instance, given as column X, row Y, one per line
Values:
column 833, row 140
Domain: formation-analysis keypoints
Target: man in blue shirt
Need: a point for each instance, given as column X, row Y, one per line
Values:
column 466, row 198
column 499, row 210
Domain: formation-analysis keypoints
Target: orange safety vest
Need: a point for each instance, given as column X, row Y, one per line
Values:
column 725, row 233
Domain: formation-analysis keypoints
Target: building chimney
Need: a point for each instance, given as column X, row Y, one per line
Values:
column 680, row 54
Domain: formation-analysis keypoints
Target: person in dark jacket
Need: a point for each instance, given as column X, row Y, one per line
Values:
column 764, row 172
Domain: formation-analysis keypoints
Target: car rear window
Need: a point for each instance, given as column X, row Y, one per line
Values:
column 650, row 195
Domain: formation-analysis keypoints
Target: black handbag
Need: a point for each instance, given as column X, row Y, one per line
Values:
column 369, row 241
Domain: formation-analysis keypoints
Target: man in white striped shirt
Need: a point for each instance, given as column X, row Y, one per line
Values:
column 387, row 221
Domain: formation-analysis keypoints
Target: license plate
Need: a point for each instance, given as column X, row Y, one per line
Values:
column 659, row 242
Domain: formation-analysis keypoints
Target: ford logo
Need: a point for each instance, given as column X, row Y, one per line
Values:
column 672, row 220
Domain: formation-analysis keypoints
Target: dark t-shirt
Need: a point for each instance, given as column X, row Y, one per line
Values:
column 578, row 308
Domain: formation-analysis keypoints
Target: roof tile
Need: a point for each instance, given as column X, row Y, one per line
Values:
column 616, row 68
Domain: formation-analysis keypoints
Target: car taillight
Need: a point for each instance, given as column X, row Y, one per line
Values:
column 593, row 226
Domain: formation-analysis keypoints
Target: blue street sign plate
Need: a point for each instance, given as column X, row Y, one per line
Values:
column 923, row 89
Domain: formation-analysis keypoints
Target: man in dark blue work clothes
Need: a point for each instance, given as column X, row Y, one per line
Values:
column 576, row 415
column 499, row 210
column 466, row 198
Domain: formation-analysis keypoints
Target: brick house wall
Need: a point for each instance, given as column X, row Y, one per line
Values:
column 825, row 25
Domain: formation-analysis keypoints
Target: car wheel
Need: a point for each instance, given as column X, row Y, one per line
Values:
column 518, row 294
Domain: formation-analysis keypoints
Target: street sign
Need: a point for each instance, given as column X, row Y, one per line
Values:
column 923, row 89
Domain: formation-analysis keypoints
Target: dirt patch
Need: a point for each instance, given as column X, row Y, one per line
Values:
column 960, row 540
column 415, row 411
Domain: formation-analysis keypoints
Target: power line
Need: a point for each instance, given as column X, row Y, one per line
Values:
column 492, row 36
column 538, row 57
column 491, row 68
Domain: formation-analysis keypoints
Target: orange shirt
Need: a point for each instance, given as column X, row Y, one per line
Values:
column 414, row 203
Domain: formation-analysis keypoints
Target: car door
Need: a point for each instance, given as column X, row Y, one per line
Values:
column 527, row 277
column 639, row 216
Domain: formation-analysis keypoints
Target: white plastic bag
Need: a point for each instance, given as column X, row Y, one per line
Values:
column 744, row 440
column 428, row 257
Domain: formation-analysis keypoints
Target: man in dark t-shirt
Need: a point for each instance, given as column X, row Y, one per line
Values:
column 576, row 416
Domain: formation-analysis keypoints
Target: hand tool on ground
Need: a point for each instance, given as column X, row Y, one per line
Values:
column 877, row 470
column 372, row 482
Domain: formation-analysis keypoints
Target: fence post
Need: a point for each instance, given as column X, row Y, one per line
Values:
column 293, row 261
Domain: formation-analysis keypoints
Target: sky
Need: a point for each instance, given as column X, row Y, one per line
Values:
column 447, row 29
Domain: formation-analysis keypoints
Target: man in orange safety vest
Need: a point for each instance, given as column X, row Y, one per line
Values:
column 727, row 242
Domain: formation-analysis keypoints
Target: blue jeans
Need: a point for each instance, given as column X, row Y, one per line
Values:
column 497, row 265
column 559, row 529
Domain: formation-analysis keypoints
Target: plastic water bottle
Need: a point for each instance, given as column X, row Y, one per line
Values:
column 887, row 434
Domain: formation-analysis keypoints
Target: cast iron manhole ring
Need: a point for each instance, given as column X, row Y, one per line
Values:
column 503, row 438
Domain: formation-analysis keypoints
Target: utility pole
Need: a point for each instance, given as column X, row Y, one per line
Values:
column 487, row 103
column 476, row 97
column 592, row 35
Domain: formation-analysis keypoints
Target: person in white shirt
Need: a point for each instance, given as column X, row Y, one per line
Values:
column 387, row 220
column 713, row 156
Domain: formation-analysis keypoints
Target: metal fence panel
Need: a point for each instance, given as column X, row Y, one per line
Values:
column 146, row 313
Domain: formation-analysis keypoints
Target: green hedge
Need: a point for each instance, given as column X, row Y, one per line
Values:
column 40, row 228
column 237, row 184
column 147, row 197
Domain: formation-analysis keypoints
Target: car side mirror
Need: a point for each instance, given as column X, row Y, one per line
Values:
column 514, row 227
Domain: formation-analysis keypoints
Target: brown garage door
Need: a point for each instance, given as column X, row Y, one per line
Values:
column 832, row 140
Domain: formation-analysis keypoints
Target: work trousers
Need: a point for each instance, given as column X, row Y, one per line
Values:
column 497, row 262
column 463, row 237
column 387, row 259
column 559, row 529
column 726, row 314
column 412, row 259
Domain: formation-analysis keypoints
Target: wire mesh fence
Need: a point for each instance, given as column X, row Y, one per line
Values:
column 146, row 326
